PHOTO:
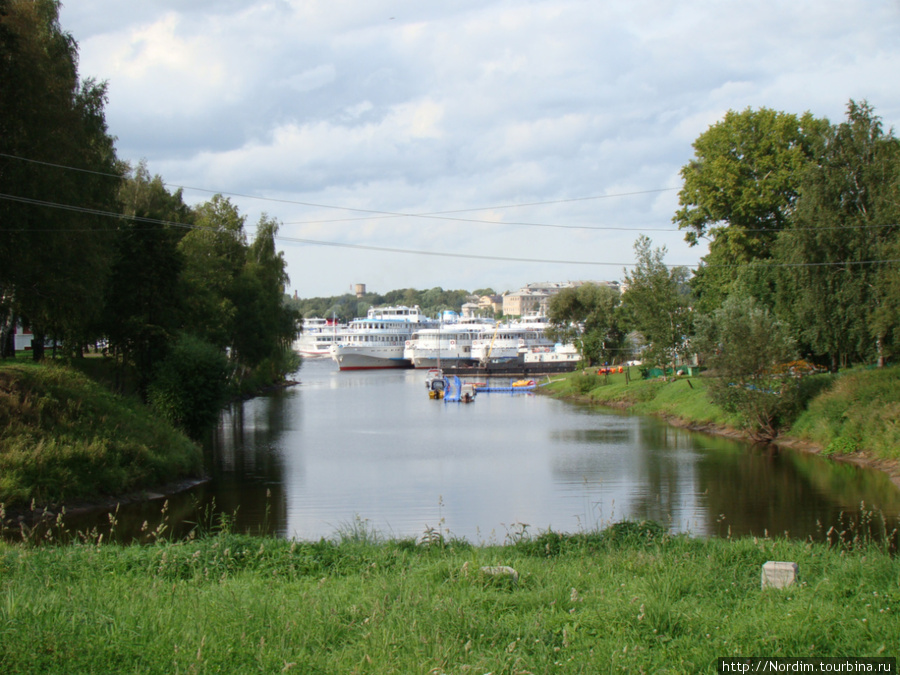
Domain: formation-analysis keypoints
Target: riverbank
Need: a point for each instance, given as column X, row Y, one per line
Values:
column 853, row 418
column 68, row 439
column 628, row 599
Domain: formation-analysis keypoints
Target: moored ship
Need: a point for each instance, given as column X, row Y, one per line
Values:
column 378, row 340
column 449, row 344
column 317, row 336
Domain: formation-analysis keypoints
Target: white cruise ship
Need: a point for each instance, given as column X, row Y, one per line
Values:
column 449, row 344
column 509, row 341
column 378, row 340
column 317, row 336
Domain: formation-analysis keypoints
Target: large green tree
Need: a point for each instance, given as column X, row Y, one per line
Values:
column 58, row 168
column 739, row 190
column 589, row 316
column 264, row 325
column 215, row 252
column 657, row 304
column 144, row 307
column 846, row 221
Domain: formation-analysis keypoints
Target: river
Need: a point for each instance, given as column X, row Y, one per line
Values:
column 369, row 452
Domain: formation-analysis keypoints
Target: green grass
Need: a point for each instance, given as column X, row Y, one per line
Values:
column 684, row 398
column 65, row 437
column 860, row 411
column 629, row 599
column 857, row 410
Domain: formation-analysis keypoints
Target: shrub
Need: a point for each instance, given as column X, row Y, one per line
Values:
column 189, row 386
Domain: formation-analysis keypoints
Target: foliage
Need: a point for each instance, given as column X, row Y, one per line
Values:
column 345, row 307
column 589, row 316
column 52, row 274
column 746, row 344
column 846, row 219
column 739, row 190
column 214, row 253
column 264, row 326
column 190, row 385
column 858, row 411
column 657, row 304
column 68, row 438
column 143, row 308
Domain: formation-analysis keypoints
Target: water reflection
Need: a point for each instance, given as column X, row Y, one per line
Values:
column 313, row 459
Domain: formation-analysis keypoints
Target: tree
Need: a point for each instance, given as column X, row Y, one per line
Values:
column 265, row 326
column 144, row 309
column 214, row 253
column 656, row 303
column 589, row 316
column 55, row 153
column 845, row 222
column 739, row 190
column 748, row 349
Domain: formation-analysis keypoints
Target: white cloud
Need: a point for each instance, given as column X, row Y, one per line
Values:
column 411, row 107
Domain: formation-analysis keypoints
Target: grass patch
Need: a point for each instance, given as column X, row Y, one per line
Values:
column 684, row 398
column 856, row 410
column 860, row 411
column 65, row 437
column 630, row 599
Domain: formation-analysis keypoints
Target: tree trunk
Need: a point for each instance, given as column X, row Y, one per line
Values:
column 37, row 346
column 7, row 336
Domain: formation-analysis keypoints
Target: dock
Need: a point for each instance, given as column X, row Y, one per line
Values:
column 511, row 369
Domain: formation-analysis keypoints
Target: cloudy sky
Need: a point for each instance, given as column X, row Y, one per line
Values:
column 467, row 143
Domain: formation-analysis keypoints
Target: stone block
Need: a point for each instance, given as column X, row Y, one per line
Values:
column 779, row 574
column 501, row 571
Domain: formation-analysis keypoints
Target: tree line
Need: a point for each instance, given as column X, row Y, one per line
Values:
column 801, row 219
column 95, row 251
column 432, row 302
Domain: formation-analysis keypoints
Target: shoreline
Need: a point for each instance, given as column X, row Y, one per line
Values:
column 863, row 458
column 43, row 512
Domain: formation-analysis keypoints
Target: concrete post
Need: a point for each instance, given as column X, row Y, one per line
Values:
column 779, row 574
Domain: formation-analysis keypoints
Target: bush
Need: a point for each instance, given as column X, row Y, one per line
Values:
column 189, row 386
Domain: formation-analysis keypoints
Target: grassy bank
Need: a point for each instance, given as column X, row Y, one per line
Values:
column 64, row 437
column 855, row 412
column 629, row 599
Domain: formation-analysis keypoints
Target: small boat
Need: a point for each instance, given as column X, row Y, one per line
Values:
column 467, row 393
column 436, row 384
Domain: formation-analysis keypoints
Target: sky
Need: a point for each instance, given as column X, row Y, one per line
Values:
column 465, row 144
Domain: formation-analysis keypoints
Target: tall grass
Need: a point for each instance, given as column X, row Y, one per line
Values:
column 861, row 411
column 630, row 598
column 65, row 437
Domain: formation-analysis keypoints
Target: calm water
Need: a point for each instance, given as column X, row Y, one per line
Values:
column 347, row 448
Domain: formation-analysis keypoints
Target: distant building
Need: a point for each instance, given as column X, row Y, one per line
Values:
column 360, row 290
column 23, row 337
column 526, row 301
column 534, row 298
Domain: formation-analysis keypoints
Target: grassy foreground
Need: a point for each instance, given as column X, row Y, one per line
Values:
column 65, row 437
column 629, row 599
column 854, row 411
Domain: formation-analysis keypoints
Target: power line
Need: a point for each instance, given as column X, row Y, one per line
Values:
column 441, row 215
column 385, row 249
column 444, row 215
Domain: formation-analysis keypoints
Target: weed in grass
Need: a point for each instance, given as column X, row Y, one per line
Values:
column 358, row 531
